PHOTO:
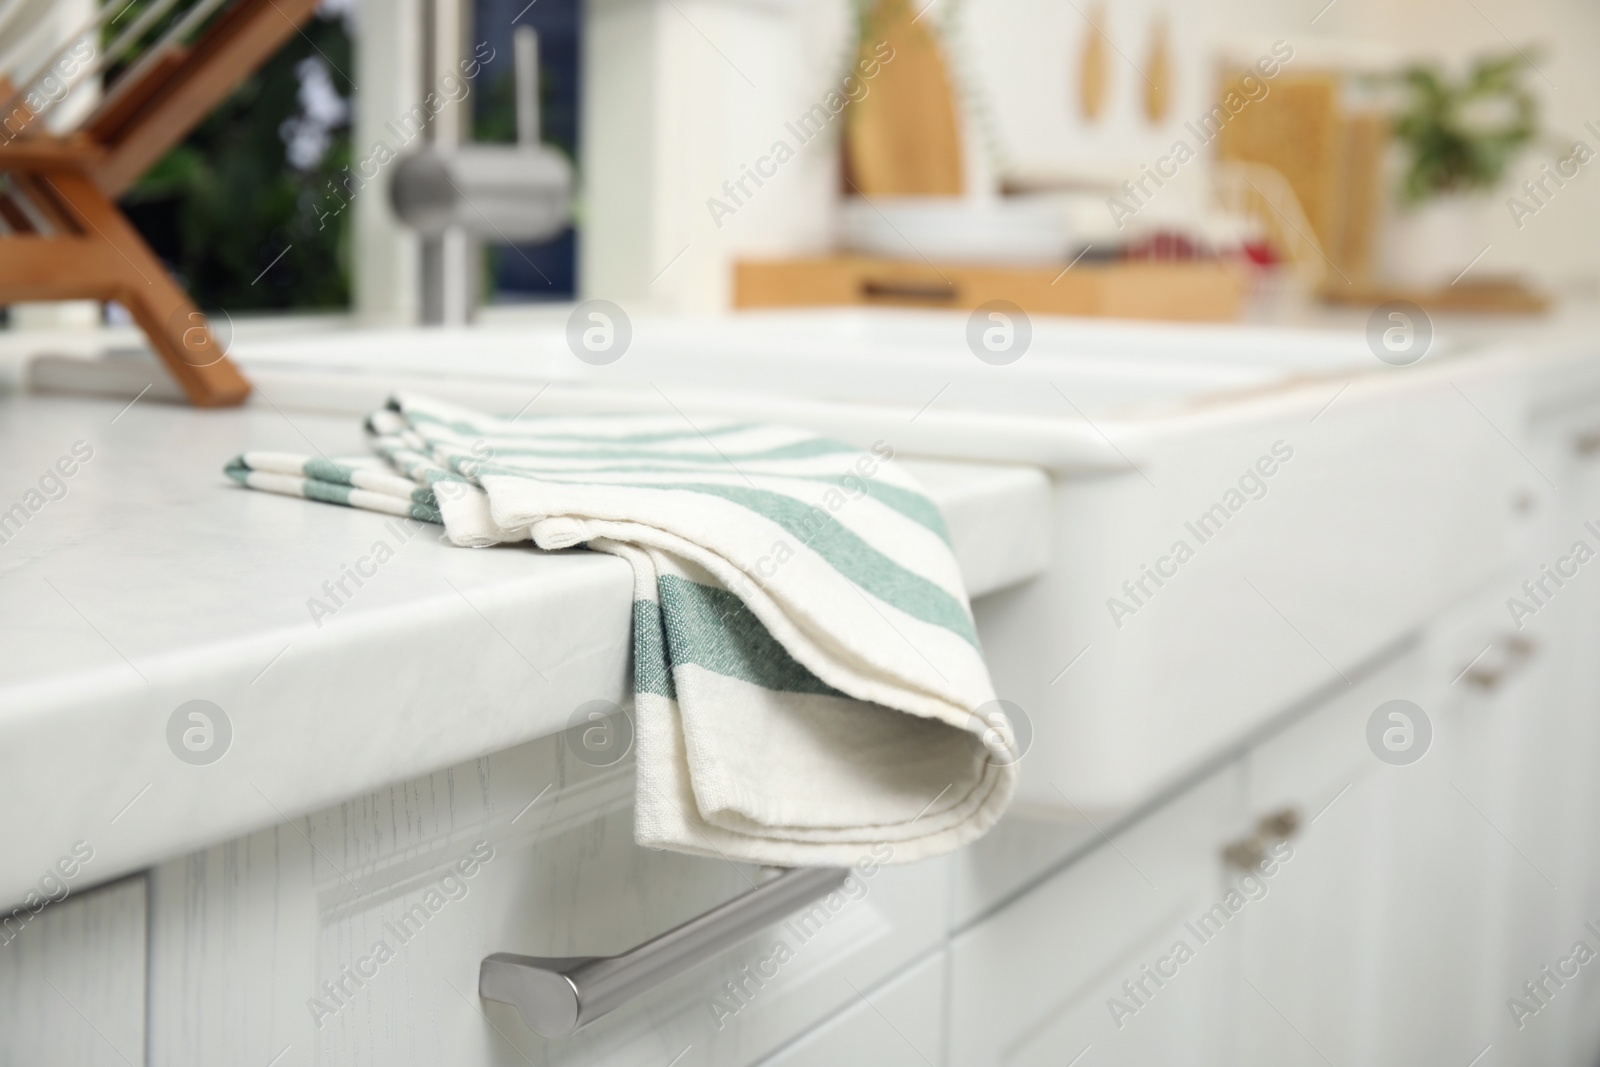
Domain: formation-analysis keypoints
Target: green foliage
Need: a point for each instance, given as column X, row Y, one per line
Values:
column 222, row 204
column 1463, row 134
column 494, row 120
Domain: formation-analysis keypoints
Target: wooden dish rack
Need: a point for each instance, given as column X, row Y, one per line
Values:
column 62, row 236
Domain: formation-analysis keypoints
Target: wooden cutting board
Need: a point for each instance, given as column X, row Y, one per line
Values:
column 903, row 137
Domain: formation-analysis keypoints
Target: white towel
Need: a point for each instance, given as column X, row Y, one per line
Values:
column 808, row 684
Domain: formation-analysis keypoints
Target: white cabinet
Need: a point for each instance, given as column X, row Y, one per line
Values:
column 1398, row 924
column 72, row 979
column 1072, row 963
column 1392, row 928
column 1372, row 947
column 354, row 936
column 1581, row 657
column 1475, row 881
column 1541, row 767
column 1424, row 895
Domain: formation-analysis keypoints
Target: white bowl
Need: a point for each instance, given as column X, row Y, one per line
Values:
column 953, row 230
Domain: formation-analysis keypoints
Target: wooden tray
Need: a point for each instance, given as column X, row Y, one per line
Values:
column 1192, row 291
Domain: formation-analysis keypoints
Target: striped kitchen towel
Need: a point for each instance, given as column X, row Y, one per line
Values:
column 809, row 688
column 359, row 482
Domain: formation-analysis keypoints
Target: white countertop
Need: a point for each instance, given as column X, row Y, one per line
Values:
column 155, row 581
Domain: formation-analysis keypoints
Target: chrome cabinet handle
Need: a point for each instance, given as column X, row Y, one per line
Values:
column 1247, row 853
column 556, row 996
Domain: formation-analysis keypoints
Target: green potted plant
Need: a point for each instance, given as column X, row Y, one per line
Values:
column 1458, row 137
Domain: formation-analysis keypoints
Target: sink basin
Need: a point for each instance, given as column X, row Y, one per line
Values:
column 905, row 376
column 896, row 359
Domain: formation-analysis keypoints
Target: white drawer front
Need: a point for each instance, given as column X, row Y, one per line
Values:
column 1033, row 984
column 1322, row 945
column 1018, row 850
column 358, row 931
column 1320, row 752
column 900, row 1024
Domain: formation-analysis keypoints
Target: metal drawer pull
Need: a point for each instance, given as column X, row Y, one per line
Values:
column 1515, row 649
column 556, row 996
column 1248, row 853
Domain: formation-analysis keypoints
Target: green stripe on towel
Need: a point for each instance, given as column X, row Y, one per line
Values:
column 712, row 628
column 854, row 558
column 843, row 549
column 652, row 673
column 913, row 505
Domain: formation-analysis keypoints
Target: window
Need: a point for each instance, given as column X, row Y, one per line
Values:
column 543, row 271
column 234, row 210
column 250, row 212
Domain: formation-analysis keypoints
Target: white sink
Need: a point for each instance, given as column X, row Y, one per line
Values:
column 905, row 376
column 897, row 359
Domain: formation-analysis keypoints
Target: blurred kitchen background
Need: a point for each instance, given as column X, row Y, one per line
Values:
column 572, row 179
column 757, row 152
